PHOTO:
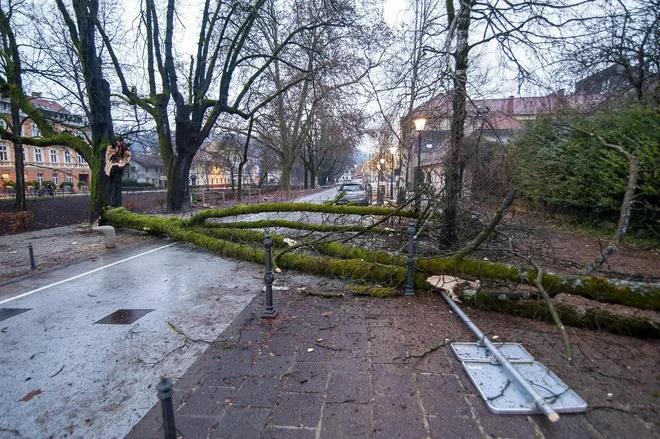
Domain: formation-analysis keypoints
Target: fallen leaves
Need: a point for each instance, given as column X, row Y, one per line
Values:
column 31, row 395
column 327, row 314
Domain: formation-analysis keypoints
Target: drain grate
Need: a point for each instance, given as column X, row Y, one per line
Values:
column 504, row 395
column 7, row 313
column 123, row 317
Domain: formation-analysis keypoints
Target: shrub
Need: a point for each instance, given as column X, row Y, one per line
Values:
column 8, row 183
column 132, row 182
column 567, row 168
column 66, row 184
column 82, row 185
column 14, row 222
column 48, row 182
column 34, row 183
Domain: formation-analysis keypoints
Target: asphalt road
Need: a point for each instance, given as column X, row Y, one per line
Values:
column 67, row 373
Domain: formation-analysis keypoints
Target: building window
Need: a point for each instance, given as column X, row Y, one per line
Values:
column 40, row 178
column 67, row 156
column 4, row 156
column 24, row 156
column 3, row 123
column 56, row 178
column 35, row 131
column 81, row 160
column 53, row 156
column 69, row 178
column 5, row 176
column 38, row 155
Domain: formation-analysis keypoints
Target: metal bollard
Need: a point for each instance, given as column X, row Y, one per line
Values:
column 32, row 264
column 269, row 311
column 165, row 392
column 410, row 261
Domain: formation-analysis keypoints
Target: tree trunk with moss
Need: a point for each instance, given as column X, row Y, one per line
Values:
column 580, row 316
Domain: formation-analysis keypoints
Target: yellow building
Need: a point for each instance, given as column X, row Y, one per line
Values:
column 54, row 163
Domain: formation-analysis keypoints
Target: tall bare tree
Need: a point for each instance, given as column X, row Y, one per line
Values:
column 229, row 62
column 80, row 20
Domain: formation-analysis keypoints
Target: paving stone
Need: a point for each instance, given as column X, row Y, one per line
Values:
column 349, row 386
column 241, row 423
column 569, row 426
column 341, row 421
column 257, row 391
column 149, row 427
column 443, row 395
column 436, row 362
column 392, row 379
column 510, row 426
column 271, row 366
column 618, row 425
column 398, row 418
column 288, row 433
column 192, row 427
column 454, row 427
column 227, row 373
column 306, row 377
column 206, row 400
column 298, row 410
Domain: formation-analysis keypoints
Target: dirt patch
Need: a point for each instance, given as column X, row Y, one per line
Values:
column 56, row 246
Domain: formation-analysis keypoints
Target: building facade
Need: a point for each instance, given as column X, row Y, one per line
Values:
column 57, row 164
column 494, row 120
column 147, row 169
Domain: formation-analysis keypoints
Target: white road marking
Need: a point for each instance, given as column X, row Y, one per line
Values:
column 83, row 274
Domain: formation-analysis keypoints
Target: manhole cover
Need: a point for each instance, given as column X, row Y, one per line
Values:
column 123, row 317
column 7, row 313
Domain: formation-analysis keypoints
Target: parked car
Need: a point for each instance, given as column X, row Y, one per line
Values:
column 353, row 193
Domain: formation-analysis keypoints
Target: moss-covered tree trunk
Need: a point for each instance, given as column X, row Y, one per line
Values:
column 20, row 202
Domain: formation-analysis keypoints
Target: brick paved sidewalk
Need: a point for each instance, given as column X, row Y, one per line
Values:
column 337, row 368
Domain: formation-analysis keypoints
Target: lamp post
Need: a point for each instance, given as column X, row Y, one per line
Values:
column 419, row 126
column 392, row 152
column 378, row 186
column 380, row 169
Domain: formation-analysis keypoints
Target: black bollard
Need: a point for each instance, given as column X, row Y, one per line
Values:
column 269, row 310
column 410, row 261
column 32, row 264
column 165, row 392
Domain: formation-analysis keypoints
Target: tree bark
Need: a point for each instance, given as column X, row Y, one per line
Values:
column 452, row 187
column 20, row 202
column 580, row 316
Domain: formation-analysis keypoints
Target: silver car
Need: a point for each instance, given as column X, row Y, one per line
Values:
column 354, row 193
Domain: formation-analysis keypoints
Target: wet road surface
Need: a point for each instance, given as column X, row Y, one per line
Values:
column 83, row 346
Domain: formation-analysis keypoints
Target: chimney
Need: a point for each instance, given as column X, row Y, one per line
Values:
column 509, row 105
column 36, row 94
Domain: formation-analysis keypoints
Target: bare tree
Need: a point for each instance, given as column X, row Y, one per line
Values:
column 229, row 62
column 106, row 180
column 620, row 51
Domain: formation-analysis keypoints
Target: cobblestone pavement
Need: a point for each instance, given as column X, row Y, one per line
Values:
column 342, row 368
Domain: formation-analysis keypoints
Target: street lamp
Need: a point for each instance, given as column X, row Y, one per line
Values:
column 378, row 166
column 419, row 126
column 382, row 197
column 392, row 152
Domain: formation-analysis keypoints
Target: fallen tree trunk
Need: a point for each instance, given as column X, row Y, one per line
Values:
column 243, row 209
column 580, row 316
column 384, row 267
